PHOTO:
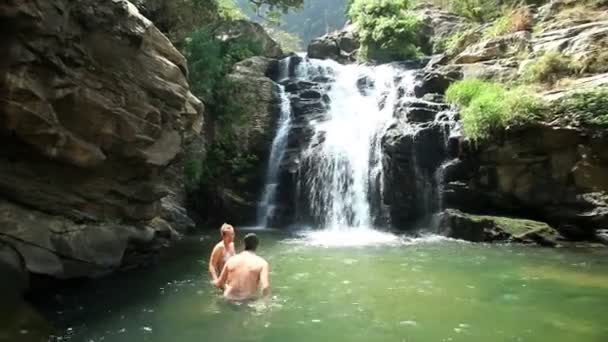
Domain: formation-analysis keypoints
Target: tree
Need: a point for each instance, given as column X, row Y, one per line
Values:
column 177, row 19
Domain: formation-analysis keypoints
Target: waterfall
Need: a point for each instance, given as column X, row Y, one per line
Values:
column 266, row 205
column 342, row 165
column 355, row 149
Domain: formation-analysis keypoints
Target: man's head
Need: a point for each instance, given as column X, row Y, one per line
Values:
column 251, row 242
column 227, row 232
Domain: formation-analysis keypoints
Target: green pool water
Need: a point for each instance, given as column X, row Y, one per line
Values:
column 395, row 290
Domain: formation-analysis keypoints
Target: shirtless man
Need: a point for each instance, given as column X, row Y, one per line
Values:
column 222, row 251
column 245, row 273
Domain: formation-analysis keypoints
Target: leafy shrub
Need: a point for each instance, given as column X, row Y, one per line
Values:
column 477, row 10
column 209, row 60
column 205, row 63
column 228, row 10
column 549, row 68
column 222, row 163
column 522, row 106
column 463, row 92
column 485, row 114
column 487, row 106
column 386, row 29
column 587, row 107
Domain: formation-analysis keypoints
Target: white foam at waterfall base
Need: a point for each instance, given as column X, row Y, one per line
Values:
column 337, row 237
column 346, row 237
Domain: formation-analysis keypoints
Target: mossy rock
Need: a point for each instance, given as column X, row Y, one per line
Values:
column 482, row 228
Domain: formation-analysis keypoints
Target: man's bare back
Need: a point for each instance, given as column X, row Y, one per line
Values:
column 244, row 274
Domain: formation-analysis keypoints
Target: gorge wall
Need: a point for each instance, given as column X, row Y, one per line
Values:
column 549, row 171
column 95, row 113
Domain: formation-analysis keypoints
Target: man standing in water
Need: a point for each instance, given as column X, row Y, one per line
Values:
column 245, row 273
column 222, row 251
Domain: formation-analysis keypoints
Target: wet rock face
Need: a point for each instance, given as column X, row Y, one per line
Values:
column 309, row 102
column 414, row 149
column 95, row 105
column 550, row 172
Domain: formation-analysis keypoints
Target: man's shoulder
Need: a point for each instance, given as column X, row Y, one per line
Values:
column 262, row 261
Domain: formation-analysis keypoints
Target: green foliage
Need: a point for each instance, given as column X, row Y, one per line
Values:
column 463, row 92
column 205, row 63
column 193, row 172
column 228, row 10
column 386, row 29
column 484, row 115
column 272, row 10
column 523, row 107
column 487, row 107
column 209, row 60
column 549, row 68
column 477, row 10
column 587, row 107
column 179, row 18
column 500, row 26
column 453, row 41
column 222, row 163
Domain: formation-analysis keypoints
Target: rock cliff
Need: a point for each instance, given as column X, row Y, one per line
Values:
column 554, row 172
column 94, row 108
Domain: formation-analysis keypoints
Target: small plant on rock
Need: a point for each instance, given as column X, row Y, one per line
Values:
column 549, row 68
column 586, row 107
column 487, row 106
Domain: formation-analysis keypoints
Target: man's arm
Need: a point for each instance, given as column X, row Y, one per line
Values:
column 221, row 281
column 264, row 281
column 215, row 254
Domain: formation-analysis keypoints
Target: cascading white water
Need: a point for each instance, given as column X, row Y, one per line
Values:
column 343, row 160
column 267, row 203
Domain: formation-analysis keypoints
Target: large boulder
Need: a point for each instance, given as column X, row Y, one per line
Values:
column 341, row 46
column 478, row 228
column 95, row 106
column 435, row 81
